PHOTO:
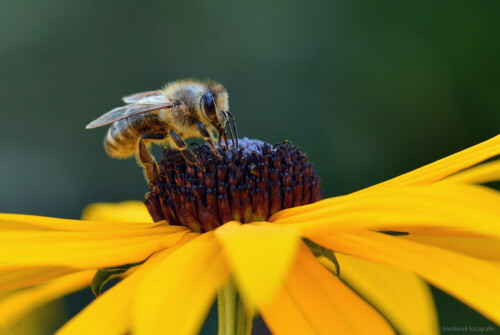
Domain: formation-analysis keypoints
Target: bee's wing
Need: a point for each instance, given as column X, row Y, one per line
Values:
column 134, row 98
column 127, row 111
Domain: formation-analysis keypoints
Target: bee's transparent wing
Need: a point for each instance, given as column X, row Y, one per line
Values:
column 127, row 111
column 155, row 96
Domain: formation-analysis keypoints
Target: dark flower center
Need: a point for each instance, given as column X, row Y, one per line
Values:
column 249, row 184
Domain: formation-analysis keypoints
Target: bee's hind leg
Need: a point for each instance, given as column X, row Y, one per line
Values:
column 147, row 160
column 188, row 155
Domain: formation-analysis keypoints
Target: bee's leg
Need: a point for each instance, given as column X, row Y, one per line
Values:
column 234, row 126
column 222, row 134
column 188, row 155
column 146, row 159
column 208, row 138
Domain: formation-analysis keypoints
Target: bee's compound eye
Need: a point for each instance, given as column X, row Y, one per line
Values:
column 208, row 103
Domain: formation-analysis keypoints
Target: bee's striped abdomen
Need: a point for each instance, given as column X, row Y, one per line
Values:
column 121, row 139
column 123, row 135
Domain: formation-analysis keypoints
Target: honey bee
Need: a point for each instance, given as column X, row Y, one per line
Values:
column 182, row 109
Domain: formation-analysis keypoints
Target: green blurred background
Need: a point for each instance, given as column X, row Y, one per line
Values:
column 369, row 89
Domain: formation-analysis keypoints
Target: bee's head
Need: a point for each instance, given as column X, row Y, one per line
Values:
column 209, row 103
column 214, row 105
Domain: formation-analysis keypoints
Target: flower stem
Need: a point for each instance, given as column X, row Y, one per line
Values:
column 234, row 318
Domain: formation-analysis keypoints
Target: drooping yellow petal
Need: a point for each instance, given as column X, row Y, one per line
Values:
column 110, row 313
column 175, row 297
column 127, row 211
column 17, row 304
column 28, row 249
column 487, row 248
column 445, row 167
column 33, row 222
column 283, row 316
column 402, row 297
column 451, row 207
column 260, row 257
column 14, row 280
column 473, row 281
column 483, row 173
column 320, row 304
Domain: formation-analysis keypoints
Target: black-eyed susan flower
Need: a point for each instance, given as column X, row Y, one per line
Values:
column 250, row 231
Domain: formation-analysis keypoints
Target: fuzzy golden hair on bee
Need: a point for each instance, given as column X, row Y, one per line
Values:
column 182, row 109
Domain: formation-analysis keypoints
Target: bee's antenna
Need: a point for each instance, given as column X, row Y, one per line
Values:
column 235, row 129
column 230, row 129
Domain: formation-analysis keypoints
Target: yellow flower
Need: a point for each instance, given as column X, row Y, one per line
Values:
column 435, row 224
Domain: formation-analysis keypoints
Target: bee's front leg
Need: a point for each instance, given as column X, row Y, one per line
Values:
column 188, row 155
column 146, row 159
column 208, row 138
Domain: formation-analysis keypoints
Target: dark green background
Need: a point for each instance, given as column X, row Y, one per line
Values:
column 369, row 89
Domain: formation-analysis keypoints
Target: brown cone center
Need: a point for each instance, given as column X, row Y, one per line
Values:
column 248, row 184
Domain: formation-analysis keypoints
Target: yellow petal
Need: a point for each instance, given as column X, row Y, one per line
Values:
column 175, row 297
column 487, row 248
column 39, row 321
column 28, row 249
column 260, row 257
column 425, row 175
column 283, row 316
column 14, row 280
column 474, row 282
column 33, row 222
column 481, row 174
column 455, row 208
column 403, row 298
column 294, row 212
column 17, row 304
column 127, row 211
column 110, row 313
column 314, row 301
column 445, row 167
